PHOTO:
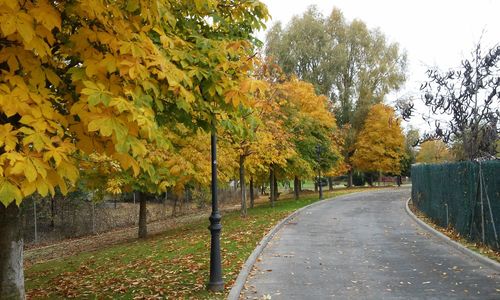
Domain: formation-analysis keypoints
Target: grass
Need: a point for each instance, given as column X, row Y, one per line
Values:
column 173, row 264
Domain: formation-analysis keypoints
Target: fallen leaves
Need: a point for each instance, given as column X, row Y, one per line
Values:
column 174, row 265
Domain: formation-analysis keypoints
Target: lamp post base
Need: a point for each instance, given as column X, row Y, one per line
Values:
column 215, row 286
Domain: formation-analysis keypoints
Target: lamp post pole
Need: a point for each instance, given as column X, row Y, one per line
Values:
column 320, row 186
column 215, row 284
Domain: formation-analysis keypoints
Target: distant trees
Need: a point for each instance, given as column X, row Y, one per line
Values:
column 412, row 138
column 434, row 151
column 355, row 67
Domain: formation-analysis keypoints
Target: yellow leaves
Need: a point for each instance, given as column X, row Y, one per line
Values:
column 17, row 21
column 126, row 62
column 127, row 162
column 8, row 137
column 434, row 151
column 46, row 15
column 38, row 140
column 114, row 186
column 58, row 154
column 9, row 192
column 235, row 97
column 380, row 143
column 68, row 170
column 107, row 125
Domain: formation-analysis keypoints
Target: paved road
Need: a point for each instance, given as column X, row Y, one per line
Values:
column 365, row 246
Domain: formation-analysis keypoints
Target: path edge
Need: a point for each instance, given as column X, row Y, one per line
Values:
column 238, row 285
column 478, row 257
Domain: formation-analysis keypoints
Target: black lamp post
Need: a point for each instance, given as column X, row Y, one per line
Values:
column 215, row 284
column 320, row 186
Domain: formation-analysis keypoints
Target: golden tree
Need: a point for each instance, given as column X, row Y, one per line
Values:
column 102, row 76
column 433, row 151
column 380, row 145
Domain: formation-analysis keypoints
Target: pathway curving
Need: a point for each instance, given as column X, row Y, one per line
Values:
column 365, row 246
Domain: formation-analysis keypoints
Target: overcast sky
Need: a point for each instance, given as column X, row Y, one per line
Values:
column 433, row 32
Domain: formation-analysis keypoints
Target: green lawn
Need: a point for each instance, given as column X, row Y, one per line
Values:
column 173, row 264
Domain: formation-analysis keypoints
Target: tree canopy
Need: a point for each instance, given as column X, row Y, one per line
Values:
column 380, row 146
column 103, row 76
column 354, row 66
column 433, row 151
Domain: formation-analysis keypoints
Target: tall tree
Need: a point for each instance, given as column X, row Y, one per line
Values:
column 101, row 77
column 352, row 65
column 380, row 146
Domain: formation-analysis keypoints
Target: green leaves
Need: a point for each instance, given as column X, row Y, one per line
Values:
column 96, row 93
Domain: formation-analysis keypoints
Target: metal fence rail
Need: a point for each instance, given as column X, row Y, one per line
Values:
column 464, row 196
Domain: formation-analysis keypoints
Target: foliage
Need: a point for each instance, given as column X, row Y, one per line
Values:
column 353, row 66
column 311, row 125
column 380, row 146
column 412, row 137
column 101, row 76
column 433, row 151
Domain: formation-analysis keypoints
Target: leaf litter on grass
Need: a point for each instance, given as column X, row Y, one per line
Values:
column 171, row 265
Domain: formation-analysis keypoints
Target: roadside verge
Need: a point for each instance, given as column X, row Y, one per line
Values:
column 474, row 255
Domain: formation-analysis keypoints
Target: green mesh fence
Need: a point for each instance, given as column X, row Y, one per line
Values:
column 464, row 195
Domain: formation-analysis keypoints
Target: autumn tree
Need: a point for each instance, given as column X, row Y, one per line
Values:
column 311, row 124
column 102, row 77
column 352, row 65
column 433, row 151
column 380, row 145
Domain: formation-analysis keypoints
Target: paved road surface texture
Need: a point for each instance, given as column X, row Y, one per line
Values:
column 365, row 246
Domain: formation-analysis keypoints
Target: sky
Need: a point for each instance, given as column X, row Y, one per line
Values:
column 434, row 33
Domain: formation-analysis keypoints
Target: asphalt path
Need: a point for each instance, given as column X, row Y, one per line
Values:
column 365, row 246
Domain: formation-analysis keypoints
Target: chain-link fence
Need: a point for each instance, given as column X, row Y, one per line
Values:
column 52, row 219
column 464, row 195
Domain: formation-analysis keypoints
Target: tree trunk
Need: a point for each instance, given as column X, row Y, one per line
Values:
column 175, row 198
column 52, row 213
column 315, row 186
column 252, row 195
column 296, row 188
column 349, row 178
column 379, row 177
column 275, row 187
column 243, row 187
column 143, row 225
column 271, row 185
column 11, row 253
column 330, row 183
column 300, row 186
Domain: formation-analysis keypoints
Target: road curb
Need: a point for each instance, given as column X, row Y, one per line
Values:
column 478, row 257
column 235, row 292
